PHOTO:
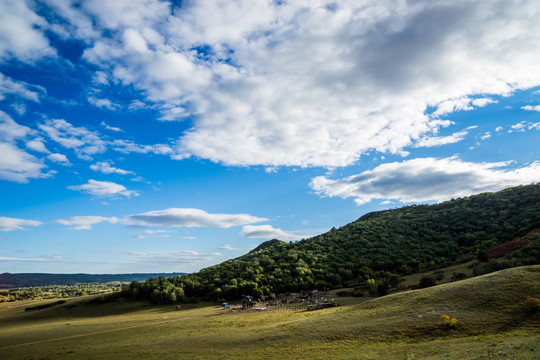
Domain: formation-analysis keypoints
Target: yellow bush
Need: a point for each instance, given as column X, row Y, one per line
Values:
column 444, row 319
column 448, row 321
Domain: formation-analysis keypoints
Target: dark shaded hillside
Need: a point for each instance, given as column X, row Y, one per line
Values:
column 381, row 246
column 9, row 281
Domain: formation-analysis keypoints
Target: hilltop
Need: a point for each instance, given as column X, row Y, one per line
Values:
column 381, row 247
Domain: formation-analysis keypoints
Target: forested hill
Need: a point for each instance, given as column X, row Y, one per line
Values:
column 381, row 246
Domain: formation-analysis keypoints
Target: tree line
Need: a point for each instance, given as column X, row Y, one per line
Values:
column 371, row 253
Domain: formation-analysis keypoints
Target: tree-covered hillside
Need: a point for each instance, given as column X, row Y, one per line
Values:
column 374, row 250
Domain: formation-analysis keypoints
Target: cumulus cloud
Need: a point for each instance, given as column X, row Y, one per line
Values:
column 59, row 158
column 37, row 145
column 268, row 232
column 104, row 189
column 103, row 103
column 17, row 165
column 21, row 36
column 127, row 146
column 106, row 168
column 426, row 179
column 19, row 88
column 85, row 222
column 186, row 217
column 531, row 107
column 294, row 83
column 11, row 224
column 87, row 143
column 10, row 130
column 308, row 85
column 83, row 141
column 524, row 126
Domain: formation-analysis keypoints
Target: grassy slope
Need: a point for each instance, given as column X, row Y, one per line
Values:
column 493, row 323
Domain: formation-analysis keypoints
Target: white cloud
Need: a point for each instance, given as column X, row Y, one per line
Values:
column 106, row 168
column 86, row 142
column 154, row 234
column 268, row 232
column 230, row 248
column 18, row 88
column 17, row 259
column 186, row 217
column 299, row 83
column 103, row 103
column 10, row 130
column 499, row 128
column 443, row 140
column 83, row 141
column 37, row 145
column 104, row 189
column 520, row 127
column 426, row 179
column 127, row 146
column 531, row 107
column 111, row 128
column 17, row 165
column 11, row 224
column 177, row 258
column 59, row 158
column 481, row 102
column 20, row 33
column 486, row 136
column 308, row 85
column 85, row 222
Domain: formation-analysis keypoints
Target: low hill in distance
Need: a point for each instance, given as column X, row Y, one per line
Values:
column 493, row 322
column 375, row 251
column 10, row 281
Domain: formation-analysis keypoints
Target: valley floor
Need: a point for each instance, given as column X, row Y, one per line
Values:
column 493, row 323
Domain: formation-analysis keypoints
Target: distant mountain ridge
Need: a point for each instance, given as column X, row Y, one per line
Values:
column 9, row 281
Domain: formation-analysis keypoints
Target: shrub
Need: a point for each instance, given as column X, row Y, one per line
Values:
column 532, row 303
column 382, row 289
column 446, row 320
column 458, row 276
column 427, row 281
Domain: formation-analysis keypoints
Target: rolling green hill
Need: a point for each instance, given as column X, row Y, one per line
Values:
column 379, row 247
column 493, row 322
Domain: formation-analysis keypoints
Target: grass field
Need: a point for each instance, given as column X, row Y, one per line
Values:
column 493, row 323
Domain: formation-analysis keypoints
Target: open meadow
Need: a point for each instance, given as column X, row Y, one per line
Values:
column 493, row 322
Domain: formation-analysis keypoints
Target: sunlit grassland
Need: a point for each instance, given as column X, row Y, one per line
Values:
column 492, row 323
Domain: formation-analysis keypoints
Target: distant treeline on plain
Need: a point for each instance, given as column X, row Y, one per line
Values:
column 10, row 281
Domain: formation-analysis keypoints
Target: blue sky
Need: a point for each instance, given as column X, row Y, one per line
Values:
column 157, row 136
